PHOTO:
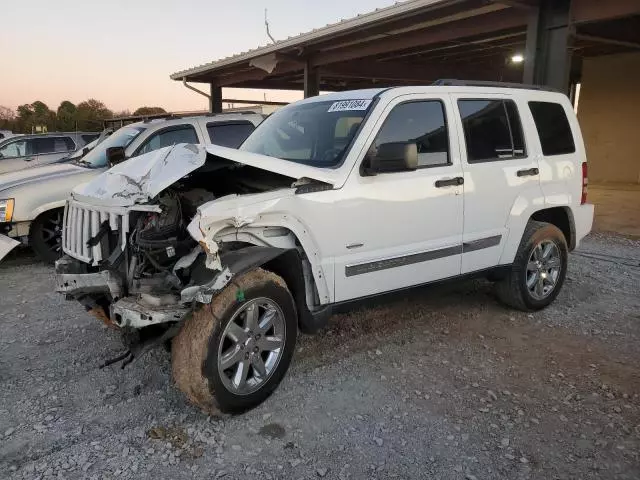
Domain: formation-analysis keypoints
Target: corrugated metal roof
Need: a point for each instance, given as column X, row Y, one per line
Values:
column 359, row 21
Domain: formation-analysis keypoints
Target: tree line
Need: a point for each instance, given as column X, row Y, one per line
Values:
column 86, row 116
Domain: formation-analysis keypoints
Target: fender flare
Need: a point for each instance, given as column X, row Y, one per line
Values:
column 206, row 283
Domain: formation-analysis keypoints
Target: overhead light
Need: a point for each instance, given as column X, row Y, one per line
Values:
column 517, row 58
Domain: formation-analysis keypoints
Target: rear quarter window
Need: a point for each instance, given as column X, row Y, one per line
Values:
column 553, row 128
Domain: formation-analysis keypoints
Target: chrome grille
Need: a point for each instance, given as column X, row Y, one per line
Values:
column 82, row 222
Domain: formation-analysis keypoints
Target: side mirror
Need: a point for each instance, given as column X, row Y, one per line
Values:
column 115, row 155
column 391, row 157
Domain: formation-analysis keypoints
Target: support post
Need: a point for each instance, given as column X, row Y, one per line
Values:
column 215, row 100
column 548, row 54
column 311, row 81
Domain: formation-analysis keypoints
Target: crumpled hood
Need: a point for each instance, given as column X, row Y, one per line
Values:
column 39, row 174
column 141, row 178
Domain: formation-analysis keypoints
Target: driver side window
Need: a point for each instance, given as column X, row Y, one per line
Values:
column 420, row 122
column 14, row 149
column 168, row 137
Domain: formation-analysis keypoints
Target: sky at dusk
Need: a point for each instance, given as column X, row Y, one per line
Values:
column 122, row 52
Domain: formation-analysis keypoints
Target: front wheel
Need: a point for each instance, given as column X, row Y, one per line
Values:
column 45, row 236
column 538, row 270
column 231, row 355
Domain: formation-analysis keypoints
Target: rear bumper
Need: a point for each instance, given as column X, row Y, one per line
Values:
column 583, row 220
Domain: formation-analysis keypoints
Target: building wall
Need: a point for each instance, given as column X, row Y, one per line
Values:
column 608, row 110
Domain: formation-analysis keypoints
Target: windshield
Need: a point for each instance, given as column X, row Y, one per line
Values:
column 122, row 137
column 316, row 133
column 80, row 152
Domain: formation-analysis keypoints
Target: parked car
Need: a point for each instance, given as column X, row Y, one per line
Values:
column 32, row 200
column 6, row 134
column 26, row 151
column 331, row 199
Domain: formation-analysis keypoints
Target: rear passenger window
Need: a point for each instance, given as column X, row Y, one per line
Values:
column 553, row 128
column 229, row 134
column 492, row 130
column 422, row 123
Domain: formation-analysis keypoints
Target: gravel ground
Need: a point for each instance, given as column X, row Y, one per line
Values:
column 440, row 383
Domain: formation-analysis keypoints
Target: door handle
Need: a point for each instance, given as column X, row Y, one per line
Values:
column 528, row 173
column 449, row 182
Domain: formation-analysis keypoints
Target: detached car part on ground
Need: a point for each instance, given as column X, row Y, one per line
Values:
column 231, row 252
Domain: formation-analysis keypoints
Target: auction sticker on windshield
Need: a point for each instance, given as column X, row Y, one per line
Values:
column 346, row 105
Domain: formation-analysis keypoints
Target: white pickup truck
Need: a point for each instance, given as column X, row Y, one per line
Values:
column 231, row 252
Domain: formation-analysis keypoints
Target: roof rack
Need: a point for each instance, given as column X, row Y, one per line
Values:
column 449, row 82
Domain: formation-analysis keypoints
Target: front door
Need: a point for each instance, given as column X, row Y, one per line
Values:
column 401, row 229
column 17, row 154
column 501, row 174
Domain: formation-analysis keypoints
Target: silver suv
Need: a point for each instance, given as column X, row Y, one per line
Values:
column 32, row 201
column 25, row 151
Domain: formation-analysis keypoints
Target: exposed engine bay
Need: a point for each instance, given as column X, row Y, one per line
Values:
column 159, row 239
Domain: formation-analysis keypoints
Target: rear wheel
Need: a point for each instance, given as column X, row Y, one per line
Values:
column 538, row 270
column 45, row 236
column 232, row 354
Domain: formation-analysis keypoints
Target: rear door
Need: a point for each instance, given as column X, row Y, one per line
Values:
column 501, row 175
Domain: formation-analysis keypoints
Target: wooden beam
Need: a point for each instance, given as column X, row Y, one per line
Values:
column 454, row 31
column 609, row 41
column 390, row 71
column 586, row 11
column 524, row 4
column 253, row 73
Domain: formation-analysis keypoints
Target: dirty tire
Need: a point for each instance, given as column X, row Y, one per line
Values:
column 45, row 240
column 512, row 290
column 195, row 348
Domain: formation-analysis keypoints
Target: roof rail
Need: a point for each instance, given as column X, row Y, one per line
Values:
column 122, row 121
column 450, row 82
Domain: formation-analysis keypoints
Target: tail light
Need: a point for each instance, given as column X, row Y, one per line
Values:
column 585, row 183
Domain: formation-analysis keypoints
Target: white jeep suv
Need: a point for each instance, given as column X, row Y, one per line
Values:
column 231, row 252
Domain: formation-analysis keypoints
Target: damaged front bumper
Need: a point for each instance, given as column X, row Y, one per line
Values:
column 136, row 313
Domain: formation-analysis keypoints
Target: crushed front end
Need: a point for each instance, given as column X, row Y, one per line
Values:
column 119, row 261
column 135, row 255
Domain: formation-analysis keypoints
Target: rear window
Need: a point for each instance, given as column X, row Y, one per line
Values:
column 229, row 134
column 553, row 128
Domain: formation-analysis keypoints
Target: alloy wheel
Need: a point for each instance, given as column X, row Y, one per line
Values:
column 543, row 269
column 251, row 346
